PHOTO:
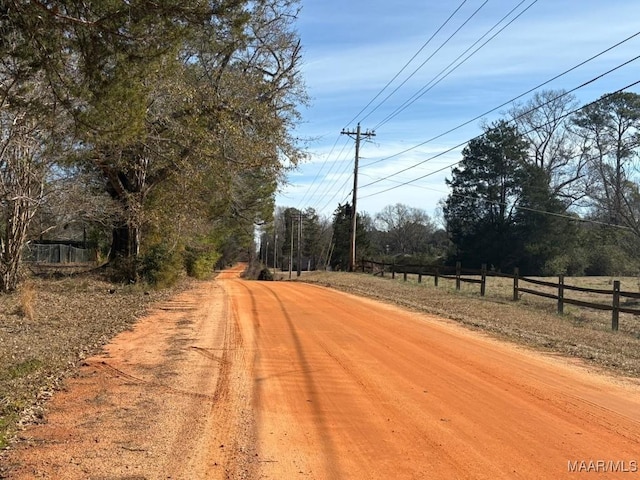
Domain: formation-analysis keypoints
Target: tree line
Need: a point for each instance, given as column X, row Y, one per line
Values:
column 159, row 129
column 550, row 188
column 397, row 231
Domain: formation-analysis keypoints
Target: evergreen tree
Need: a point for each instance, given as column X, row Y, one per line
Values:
column 485, row 189
column 342, row 238
column 182, row 109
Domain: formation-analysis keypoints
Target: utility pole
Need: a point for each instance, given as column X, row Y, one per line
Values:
column 352, row 248
column 275, row 248
column 291, row 249
column 299, row 239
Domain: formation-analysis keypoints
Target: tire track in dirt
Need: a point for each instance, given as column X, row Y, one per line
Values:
column 117, row 373
column 405, row 395
column 323, row 439
column 248, row 380
column 157, row 404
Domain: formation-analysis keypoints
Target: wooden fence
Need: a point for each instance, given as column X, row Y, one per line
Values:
column 460, row 275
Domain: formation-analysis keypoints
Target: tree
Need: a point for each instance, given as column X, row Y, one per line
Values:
column 407, row 230
column 485, row 189
column 28, row 143
column 168, row 97
column 342, row 238
column 545, row 122
column 610, row 128
column 546, row 236
column 22, row 175
column 315, row 238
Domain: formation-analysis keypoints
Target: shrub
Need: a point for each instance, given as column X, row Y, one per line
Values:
column 200, row 264
column 610, row 260
column 161, row 266
column 265, row 274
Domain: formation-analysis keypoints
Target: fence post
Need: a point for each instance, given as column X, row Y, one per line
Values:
column 405, row 275
column 393, row 270
column 483, row 279
column 615, row 315
column 435, row 278
column 516, row 274
column 420, row 277
column 560, row 294
column 458, row 268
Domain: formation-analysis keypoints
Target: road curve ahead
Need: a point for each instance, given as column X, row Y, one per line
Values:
column 348, row 388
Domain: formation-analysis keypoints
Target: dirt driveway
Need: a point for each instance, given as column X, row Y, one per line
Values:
column 278, row 380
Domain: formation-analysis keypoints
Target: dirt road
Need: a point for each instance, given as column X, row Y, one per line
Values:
column 277, row 380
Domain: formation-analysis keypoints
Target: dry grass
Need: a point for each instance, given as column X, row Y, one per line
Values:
column 532, row 321
column 47, row 328
column 27, row 297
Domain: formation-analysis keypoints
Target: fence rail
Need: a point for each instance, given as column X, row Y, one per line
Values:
column 461, row 275
column 58, row 254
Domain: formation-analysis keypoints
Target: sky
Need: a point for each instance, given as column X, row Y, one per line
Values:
column 423, row 75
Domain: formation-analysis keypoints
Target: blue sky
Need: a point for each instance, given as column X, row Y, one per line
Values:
column 351, row 50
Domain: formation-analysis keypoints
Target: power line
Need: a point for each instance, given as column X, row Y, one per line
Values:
column 478, row 117
column 517, row 117
column 424, row 45
column 384, row 88
column 429, row 86
column 317, row 176
column 324, row 163
column 409, row 182
column 529, row 209
column 427, row 60
column 340, row 189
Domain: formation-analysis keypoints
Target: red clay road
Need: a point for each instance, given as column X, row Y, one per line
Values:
column 278, row 380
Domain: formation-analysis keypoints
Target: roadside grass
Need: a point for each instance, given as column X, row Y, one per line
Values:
column 532, row 321
column 47, row 328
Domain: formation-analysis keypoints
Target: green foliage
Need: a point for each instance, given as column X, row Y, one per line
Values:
column 161, row 266
column 611, row 260
column 342, row 238
column 479, row 212
column 200, row 263
column 544, row 229
column 24, row 368
column 572, row 263
column 10, row 408
column 184, row 110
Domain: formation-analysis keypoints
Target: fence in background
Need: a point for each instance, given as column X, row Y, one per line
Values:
column 460, row 275
column 58, row 254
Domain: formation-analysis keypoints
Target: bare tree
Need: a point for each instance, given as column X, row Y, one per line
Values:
column 23, row 169
column 554, row 148
column 408, row 230
column 610, row 128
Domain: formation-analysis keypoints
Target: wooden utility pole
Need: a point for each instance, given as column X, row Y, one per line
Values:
column 291, row 249
column 299, row 240
column 275, row 248
column 352, row 247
